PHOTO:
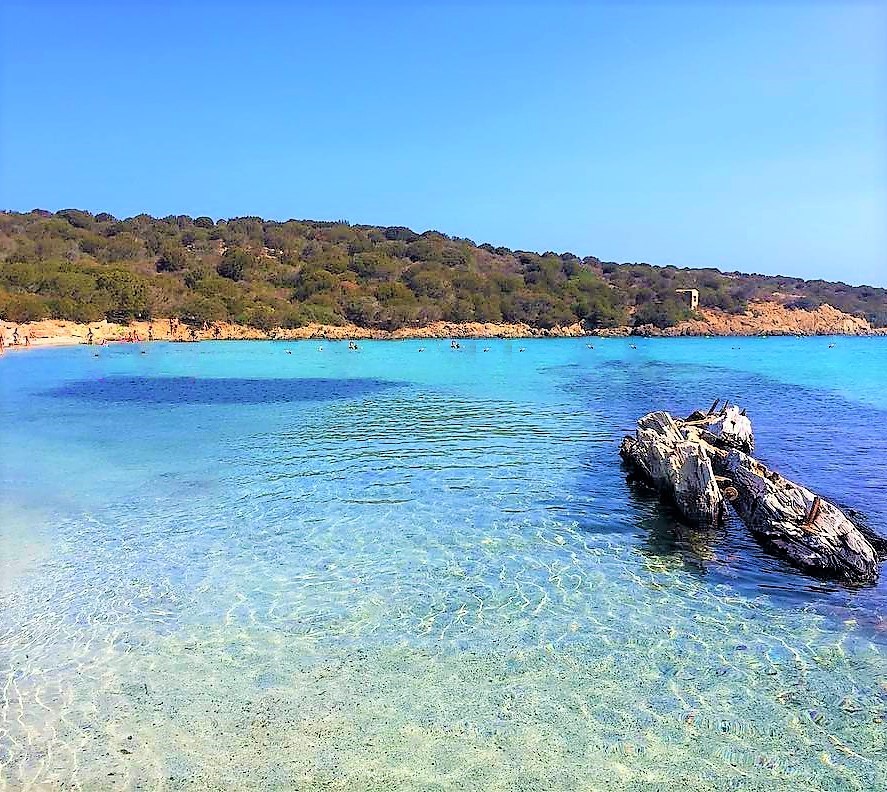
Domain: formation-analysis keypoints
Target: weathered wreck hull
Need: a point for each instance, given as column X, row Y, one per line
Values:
column 677, row 468
column 809, row 531
column 701, row 464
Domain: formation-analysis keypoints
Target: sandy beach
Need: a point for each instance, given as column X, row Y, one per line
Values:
column 53, row 332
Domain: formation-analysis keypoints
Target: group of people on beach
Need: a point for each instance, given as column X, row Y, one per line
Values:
column 177, row 332
column 17, row 340
column 90, row 339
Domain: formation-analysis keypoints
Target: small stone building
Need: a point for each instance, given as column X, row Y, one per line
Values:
column 694, row 297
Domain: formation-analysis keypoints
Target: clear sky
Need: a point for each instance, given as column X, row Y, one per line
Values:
column 746, row 136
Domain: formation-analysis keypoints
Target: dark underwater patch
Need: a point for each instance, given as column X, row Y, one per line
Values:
column 192, row 390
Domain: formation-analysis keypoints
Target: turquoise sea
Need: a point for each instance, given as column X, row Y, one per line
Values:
column 279, row 565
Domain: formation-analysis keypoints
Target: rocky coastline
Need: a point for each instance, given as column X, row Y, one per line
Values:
column 761, row 318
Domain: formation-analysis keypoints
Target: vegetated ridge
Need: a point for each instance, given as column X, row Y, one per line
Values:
column 73, row 265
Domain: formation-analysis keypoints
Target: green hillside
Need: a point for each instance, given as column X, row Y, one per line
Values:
column 84, row 267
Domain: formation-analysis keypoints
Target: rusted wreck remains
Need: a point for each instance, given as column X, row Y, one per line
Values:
column 704, row 462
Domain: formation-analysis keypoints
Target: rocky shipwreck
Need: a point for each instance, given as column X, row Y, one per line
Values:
column 704, row 462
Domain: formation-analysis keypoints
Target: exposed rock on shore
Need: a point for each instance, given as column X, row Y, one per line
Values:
column 767, row 318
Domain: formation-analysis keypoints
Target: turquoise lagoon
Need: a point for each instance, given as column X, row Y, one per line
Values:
column 280, row 566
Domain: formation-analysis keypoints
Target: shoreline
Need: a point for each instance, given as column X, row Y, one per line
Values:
column 762, row 319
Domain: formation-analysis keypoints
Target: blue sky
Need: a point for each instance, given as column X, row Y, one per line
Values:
column 746, row 136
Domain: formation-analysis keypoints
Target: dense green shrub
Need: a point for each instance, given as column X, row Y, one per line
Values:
column 666, row 313
column 23, row 307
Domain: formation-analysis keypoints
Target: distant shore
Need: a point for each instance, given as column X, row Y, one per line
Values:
column 760, row 319
column 52, row 332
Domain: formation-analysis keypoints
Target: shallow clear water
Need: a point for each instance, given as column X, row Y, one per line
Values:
column 229, row 566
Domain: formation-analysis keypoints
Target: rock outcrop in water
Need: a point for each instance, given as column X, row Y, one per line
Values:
column 703, row 463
